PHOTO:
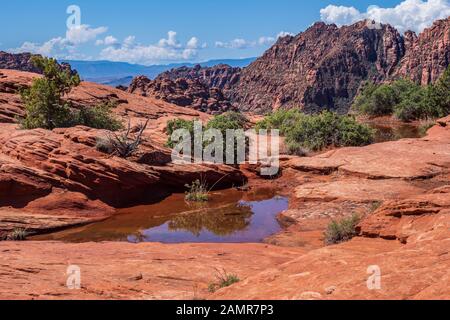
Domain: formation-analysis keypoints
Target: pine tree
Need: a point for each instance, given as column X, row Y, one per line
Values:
column 43, row 101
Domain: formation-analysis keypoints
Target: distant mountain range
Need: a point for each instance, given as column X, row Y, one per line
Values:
column 121, row 73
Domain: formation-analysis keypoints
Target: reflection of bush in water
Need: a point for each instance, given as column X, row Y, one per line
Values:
column 221, row 222
column 384, row 134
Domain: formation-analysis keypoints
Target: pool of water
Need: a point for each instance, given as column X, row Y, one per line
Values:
column 230, row 216
column 386, row 133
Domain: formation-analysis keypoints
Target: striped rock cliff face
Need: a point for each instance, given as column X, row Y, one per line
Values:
column 427, row 55
column 321, row 68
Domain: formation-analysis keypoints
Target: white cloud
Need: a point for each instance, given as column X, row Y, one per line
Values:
column 169, row 49
column 283, row 34
column 235, row 44
column 129, row 41
column 263, row 41
column 108, row 41
column 84, row 33
column 415, row 15
column 170, row 42
column 63, row 48
column 340, row 15
column 193, row 43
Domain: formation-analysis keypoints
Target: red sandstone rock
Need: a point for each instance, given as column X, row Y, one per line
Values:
column 427, row 55
column 36, row 163
column 20, row 62
column 183, row 92
column 220, row 76
column 37, row 270
column 323, row 67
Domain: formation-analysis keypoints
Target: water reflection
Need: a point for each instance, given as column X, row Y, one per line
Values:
column 230, row 217
column 222, row 222
column 386, row 133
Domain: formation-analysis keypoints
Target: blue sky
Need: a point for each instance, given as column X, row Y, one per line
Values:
column 134, row 31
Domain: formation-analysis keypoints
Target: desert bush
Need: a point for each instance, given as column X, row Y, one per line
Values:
column 296, row 149
column 341, row 231
column 281, row 119
column 178, row 124
column 223, row 280
column 228, row 121
column 99, row 117
column 122, row 145
column 45, row 107
column 224, row 122
column 316, row 132
column 412, row 106
column 439, row 96
column 17, row 235
column 376, row 100
column 198, row 192
column 405, row 99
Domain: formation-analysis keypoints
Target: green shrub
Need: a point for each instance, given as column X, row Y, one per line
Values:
column 224, row 122
column 317, row 132
column 281, row 119
column 178, row 124
column 406, row 100
column 44, row 106
column 341, row 231
column 99, row 117
column 412, row 106
column 295, row 148
column 439, row 96
column 198, row 192
column 228, row 121
column 375, row 100
column 223, row 280
column 383, row 100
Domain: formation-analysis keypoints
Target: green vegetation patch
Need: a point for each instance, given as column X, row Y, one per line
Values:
column 342, row 231
column 316, row 132
column 45, row 107
column 406, row 100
